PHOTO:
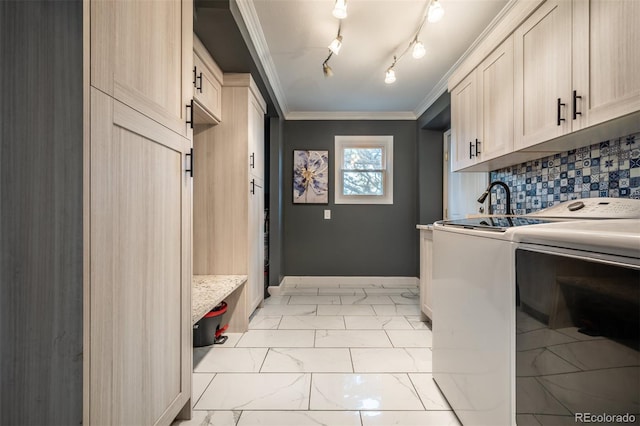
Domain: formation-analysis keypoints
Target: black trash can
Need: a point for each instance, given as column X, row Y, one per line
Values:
column 208, row 331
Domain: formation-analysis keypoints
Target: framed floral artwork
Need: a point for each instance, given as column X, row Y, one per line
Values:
column 310, row 177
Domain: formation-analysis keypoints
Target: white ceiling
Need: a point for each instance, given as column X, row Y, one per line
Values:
column 291, row 39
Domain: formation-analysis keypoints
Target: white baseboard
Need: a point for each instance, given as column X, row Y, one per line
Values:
column 315, row 281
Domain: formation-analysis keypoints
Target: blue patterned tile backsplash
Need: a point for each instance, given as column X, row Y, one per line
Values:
column 606, row 169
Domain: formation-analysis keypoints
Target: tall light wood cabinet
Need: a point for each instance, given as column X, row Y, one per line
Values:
column 140, row 267
column 96, row 212
column 139, row 331
column 229, row 189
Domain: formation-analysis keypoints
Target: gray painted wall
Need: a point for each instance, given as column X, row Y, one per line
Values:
column 430, row 150
column 359, row 240
column 276, row 198
column 432, row 124
column 41, row 212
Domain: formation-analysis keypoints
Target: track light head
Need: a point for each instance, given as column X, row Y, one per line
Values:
column 326, row 69
column 436, row 12
column 390, row 76
column 340, row 9
column 418, row 50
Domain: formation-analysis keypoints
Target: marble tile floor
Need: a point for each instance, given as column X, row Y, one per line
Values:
column 335, row 356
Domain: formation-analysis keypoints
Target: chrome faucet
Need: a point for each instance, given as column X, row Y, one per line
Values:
column 485, row 194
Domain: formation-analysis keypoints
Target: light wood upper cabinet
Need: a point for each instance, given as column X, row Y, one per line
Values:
column 606, row 63
column 543, row 74
column 141, row 54
column 482, row 110
column 207, row 80
column 495, row 92
column 464, row 121
column 576, row 66
column 140, row 268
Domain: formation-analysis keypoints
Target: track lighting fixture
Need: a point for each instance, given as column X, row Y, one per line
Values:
column 432, row 13
column 334, row 48
column 390, row 76
column 418, row 49
column 340, row 9
column 436, row 12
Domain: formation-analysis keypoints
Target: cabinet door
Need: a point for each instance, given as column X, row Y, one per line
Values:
column 141, row 54
column 255, row 280
column 495, row 91
column 426, row 269
column 140, row 268
column 208, row 91
column 543, row 74
column 256, row 138
column 606, row 61
column 464, row 126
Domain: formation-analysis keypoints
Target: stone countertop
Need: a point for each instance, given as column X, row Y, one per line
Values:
column 428, row 227
column 209, row 290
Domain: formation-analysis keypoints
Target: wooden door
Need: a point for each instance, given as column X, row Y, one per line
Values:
column 464, row 125
column 141, row 54
column 543, row 74
column 606, row 62
column 255, row 284
column 140, row 272
column 426, row 269
column 256, row 138
column 495, row 90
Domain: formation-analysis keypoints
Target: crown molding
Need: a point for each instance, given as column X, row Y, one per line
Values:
column 252, row 23
column 442, row 85
column 350, row 115
column 434, row 94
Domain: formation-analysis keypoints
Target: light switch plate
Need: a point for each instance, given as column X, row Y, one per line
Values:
column 327, row 214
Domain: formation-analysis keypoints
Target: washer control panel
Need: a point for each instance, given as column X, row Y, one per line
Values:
column 593, row 208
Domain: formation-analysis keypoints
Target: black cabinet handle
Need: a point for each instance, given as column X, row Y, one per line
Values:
column 253, row 186
column 471, row 155
column 477, row 147
column 252, row 160
column 199, row 88
column 575, row 105
column 190, row 169
column 560, row 105
column 190, row 120
column 194, row 76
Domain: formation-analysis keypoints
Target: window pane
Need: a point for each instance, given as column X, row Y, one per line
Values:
column 362, row 159
column 363, row 183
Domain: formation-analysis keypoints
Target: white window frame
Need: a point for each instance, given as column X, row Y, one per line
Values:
column 374, row 141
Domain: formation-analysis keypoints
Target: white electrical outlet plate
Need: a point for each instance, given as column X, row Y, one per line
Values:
column 327, row 214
